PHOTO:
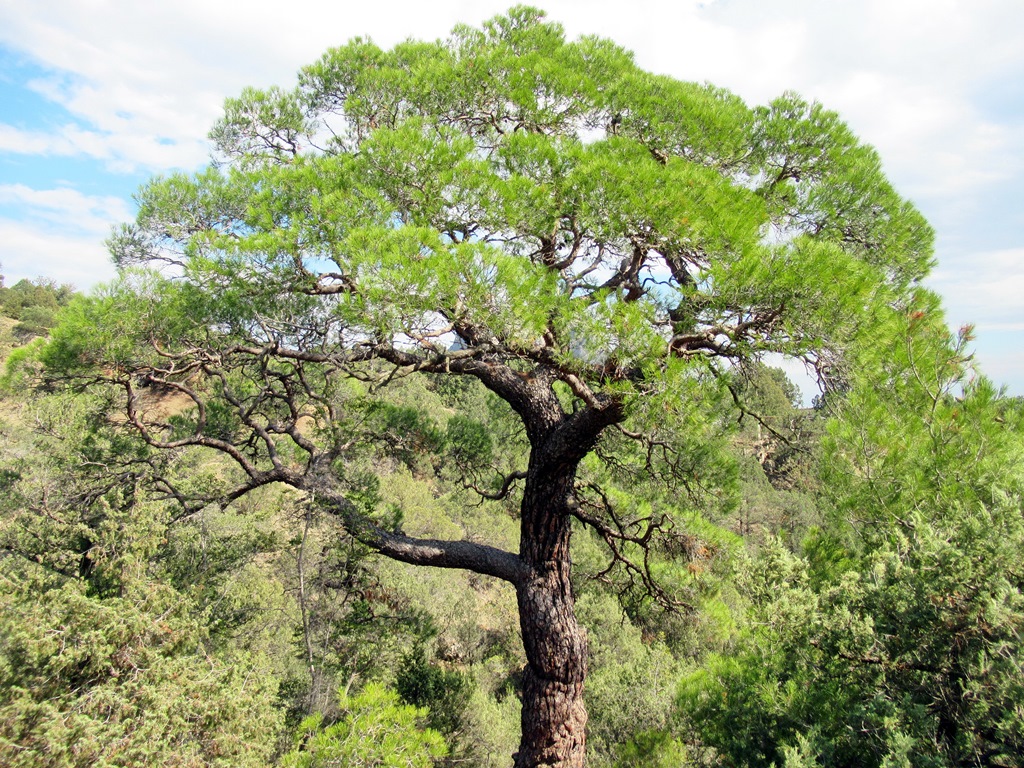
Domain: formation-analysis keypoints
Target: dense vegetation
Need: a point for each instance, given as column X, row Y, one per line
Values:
column 504, row 332
column 33, row 306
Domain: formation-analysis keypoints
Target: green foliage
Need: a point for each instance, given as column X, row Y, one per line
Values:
column 101, row 663
column 897, row 641
column 373, row 730
column 405, row 430
column 482, row 146
column 779, row 441
column 34, row 321
column 444, row 693
column 38, row 298
column 29, row 309
column 109, row 327
column 816, row 173
column 629, row 690
column 72, row 504
column 928, row 434
column 122, row 682
column 652, row 749
column 220, row 422
column 470, row 441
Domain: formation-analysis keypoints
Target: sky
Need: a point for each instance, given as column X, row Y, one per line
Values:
column 98, row 95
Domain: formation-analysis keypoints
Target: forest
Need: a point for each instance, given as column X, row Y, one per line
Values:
column 443, row 420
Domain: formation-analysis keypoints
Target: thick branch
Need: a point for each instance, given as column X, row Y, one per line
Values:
column 529, row 394
column 468, row 555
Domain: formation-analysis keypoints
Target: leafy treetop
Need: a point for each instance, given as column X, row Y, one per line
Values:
column 506, row 192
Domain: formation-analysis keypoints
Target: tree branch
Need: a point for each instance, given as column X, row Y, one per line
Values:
column 467, row 555
column 615, row 537
column 506, row 487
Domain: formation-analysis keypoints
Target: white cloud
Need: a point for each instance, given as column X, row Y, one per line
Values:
column 1000, row 356
column 900, row 70
column 22, row 142
column 124, row 152
column 67, row 207
column 30, row 252
column 903, row 73
column 57, row 233
column 984, row 289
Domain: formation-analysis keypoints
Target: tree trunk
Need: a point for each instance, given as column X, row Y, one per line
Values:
column 554, row 717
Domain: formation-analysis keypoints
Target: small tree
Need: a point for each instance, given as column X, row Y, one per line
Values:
column 375, row 729
column 597, row 245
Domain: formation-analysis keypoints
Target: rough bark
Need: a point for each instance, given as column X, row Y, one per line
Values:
column 554, row 717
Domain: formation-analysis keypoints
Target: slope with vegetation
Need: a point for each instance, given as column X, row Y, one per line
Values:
column 501, row 304
column 32, row 305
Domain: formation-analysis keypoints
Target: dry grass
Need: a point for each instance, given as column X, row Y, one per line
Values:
column 159, row 405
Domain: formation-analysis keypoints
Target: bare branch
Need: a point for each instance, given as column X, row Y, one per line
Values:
column 617, row 537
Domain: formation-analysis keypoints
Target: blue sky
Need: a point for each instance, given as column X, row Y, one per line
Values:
column 97, row 95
